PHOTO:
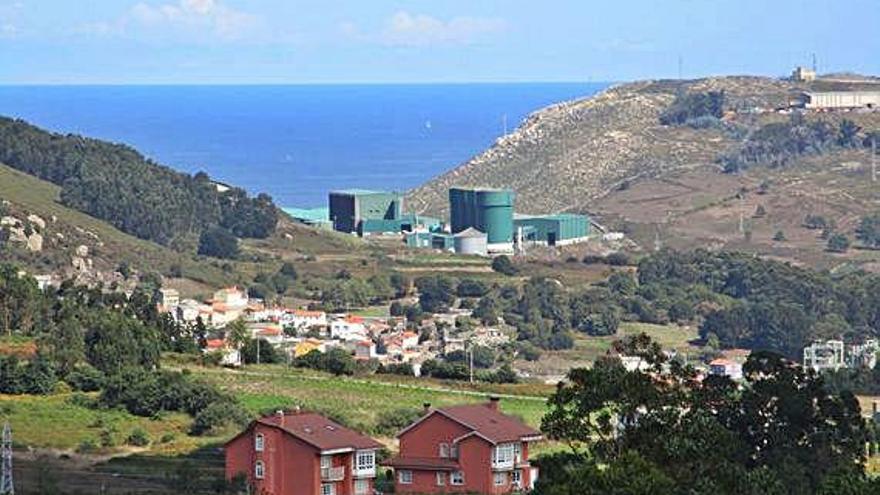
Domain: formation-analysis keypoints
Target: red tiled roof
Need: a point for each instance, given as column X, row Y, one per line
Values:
column 489, row 423
column 308, row 314
column 215, row 343
column 424, row 463
column 320, row 432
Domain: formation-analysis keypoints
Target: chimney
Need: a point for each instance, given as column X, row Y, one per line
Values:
column 493, row 402
column 280, row 415
column 426, row 407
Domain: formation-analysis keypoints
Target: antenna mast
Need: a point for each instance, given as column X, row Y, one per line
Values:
column 6, row 485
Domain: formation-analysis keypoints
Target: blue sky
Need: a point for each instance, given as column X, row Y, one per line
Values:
column 311, row 41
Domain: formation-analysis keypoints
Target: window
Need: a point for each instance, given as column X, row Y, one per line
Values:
column 328, row 489
column 517, row 452
column 365, row 461
column 258, row 442
column 456, row 478
column 453, row 452
column 444, row 450
column 326, row 462
column 516, row 478
column 500, row 479
column 441, row 478
column 503, row 454
column 404, row 477
column 361, row 486
column 259, row 470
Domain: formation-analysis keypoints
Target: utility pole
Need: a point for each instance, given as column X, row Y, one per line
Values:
column 7, row 487
column 471, row 362
column 258, row 351
column 873, row 159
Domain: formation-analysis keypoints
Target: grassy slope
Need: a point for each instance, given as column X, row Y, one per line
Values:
column 39, row 197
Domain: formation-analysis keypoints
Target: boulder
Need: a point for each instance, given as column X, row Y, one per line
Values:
column 82, row 250
column 36, row 220
column 35, row 242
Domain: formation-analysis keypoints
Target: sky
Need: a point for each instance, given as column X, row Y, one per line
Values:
column 421, row 41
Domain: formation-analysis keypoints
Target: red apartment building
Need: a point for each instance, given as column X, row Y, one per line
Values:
column 470, row 448
column 302, row 453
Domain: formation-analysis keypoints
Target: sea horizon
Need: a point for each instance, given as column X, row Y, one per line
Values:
column 295, row 142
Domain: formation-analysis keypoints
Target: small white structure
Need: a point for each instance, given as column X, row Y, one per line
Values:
column 167, row 299
column 803, row 74
column 302, row 320
column 726, row 367
column 471, row 241
column 229, row 355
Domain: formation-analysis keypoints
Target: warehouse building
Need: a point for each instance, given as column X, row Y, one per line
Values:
column 829, row 100
column 350, row 208
column 552, row 230
column 315, row 217
column 489, row 211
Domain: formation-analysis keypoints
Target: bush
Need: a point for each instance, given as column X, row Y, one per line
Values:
column 693, row 106
column 218, row 243
column 838, row 243
column 618, row 259
column 85, row 378
column 138, row 438
column 529, row 351
column 217, row 416
column 503, row 265
column 391, row 422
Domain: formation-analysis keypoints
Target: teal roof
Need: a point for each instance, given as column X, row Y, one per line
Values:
column 310, row 214
column 553, row 216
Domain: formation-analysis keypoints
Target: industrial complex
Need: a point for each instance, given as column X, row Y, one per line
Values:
column 482, row 221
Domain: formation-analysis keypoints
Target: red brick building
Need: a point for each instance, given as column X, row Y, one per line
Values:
column 301, row 453
column 471, row 448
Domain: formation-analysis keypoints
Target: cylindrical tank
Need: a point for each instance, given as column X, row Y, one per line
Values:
column 495, row 212
column 471, row 241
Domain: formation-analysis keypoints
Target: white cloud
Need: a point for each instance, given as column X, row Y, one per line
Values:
column 187, row 18
column 418, row 30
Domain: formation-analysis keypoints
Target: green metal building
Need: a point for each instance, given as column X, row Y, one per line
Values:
column 350, row 208
column 316, row 217
column 553, row 230
column 488, row 210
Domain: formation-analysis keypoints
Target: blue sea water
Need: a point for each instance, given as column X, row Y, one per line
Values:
column 295, row 142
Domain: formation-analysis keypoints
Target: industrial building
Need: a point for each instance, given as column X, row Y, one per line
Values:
column 803, row 74
column 315, row 217
column 831, row 100
column 551, row 230
column 349, row 208
column 489, row 211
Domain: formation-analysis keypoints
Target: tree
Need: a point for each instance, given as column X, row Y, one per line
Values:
column 848, row 134
column 760, row 212
column 779, row 236
column 815, row 222
column 709, row 437
column 838, row 243
column 218, row 243
column 436, row 294
column 288, row 270
column 503, row 265
column 868, row 231
column 260, row 351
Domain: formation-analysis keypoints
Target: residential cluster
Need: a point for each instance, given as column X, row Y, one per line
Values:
column 482, row 221
column 833, row 355
column 296, row 332
column 472, row 448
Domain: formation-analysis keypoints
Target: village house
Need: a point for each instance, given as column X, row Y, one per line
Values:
column 365, row 350
column 273, row 334
column 166, row 299
column 465, row 449
column 349, row 328
column 306, row 346
column 229, row 356
column 302, row 453
column 726, row 367
column 302, row 320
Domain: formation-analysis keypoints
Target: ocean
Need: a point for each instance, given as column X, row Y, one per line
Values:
column 295, row 142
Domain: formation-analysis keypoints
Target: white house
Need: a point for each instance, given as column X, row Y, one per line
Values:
column 302, row 320
column 726, row 367
column 348, row 328
column 230, row 355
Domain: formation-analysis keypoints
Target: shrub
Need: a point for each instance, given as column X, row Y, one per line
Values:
column 219, row 243
column 138, row 438
column 618, row 259
column 217, row 416
column 838, row 243
column 503, row 265
column 391, row 422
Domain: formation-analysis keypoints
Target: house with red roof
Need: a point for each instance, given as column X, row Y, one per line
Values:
column 302, row 453
column 465, row 449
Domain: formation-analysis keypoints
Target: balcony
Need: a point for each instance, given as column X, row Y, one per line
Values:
column 364, row 472
column 333, row 473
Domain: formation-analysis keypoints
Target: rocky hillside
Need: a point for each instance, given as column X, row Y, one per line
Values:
column 564, row 157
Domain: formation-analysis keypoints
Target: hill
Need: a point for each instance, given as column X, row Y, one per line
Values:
column 117, row 184
column 611, row 156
